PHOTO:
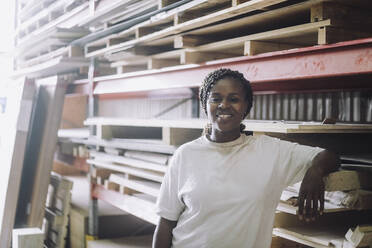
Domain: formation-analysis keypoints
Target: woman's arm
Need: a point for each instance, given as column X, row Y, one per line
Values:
column 311, row 197
column 163, row 233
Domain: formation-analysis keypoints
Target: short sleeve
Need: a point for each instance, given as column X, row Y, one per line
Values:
column 168, row 204
column 295, row 159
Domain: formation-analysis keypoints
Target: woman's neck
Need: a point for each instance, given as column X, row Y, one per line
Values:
column 219, row 137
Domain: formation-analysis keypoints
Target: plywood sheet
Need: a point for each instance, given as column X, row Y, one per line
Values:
column 15, row 115
column 41, row 145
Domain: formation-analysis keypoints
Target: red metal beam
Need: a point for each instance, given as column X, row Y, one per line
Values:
column 294, row 69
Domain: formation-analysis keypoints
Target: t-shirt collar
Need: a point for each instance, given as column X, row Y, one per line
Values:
column 234, row 142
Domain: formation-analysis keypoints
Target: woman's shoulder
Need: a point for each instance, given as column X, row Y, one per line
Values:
column 191, row 145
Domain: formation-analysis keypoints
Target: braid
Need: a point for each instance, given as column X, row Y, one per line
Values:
column 211, row 79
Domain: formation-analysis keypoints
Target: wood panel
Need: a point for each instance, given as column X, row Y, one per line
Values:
column 40, row 151
column 15, row 118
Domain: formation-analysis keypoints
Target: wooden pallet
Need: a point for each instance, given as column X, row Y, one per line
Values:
column 50, row 41
column 42, row 17
column 63, row 52
column 67, row 20
column 192, row 15
column 108, row 12
column 260, row 31
column 58, row 65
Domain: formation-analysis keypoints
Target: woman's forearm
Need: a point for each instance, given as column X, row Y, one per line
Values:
column 163, row 234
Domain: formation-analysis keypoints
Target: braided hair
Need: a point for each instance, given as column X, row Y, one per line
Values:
column 212, row 78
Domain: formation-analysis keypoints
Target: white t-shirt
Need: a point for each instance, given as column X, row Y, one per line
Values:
column 224, row 195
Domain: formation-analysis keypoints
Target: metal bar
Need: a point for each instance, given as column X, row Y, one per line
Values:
column 274, row 70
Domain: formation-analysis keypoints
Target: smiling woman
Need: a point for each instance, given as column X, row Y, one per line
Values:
column 226, row 97
column 221, row 190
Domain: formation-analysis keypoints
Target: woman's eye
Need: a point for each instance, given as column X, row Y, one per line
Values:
column 234, row 99
column 213, row 99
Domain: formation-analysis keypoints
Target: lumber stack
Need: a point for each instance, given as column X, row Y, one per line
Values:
column 44, row 31
column 132, row 160
column 201, row 31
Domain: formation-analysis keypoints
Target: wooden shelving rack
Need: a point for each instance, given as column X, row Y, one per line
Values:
column 311, row 54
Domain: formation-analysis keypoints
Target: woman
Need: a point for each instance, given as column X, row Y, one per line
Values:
column 222, row 189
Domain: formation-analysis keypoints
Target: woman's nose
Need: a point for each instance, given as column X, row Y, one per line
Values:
column 223, row 104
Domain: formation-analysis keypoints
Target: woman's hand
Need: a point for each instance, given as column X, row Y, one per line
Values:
column 311, row 196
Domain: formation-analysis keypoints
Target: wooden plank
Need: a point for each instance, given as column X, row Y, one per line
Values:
column 256, row 126
column 155, row 63
column 158, row 177
column 57, row 22
column 128, row 242
column 143, row 209
column 184, row 41
column 40, row 151
column 131, row 144
column 74, row 111
column 73, row 132
column 28, row 238
column 129, row 161
column 59, row 65
column 143, row 186
column 179, row 136
column 256, row 47
column 148, row 156
column 15, row 117
column 328, row 35
column 311, row 237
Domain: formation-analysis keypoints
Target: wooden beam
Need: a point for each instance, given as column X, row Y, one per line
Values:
column 154, row 63
column 256, row 47
column 199, row 57
column 184, row 41
column 179, row 136
column 328, row 35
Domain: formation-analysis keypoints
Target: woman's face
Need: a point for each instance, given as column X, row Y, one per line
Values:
column 226, row 106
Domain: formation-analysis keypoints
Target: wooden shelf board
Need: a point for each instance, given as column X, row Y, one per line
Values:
column 129, row 161
column 138, row 207
column 255, row 126
column 150, row 175
column 130, row 144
